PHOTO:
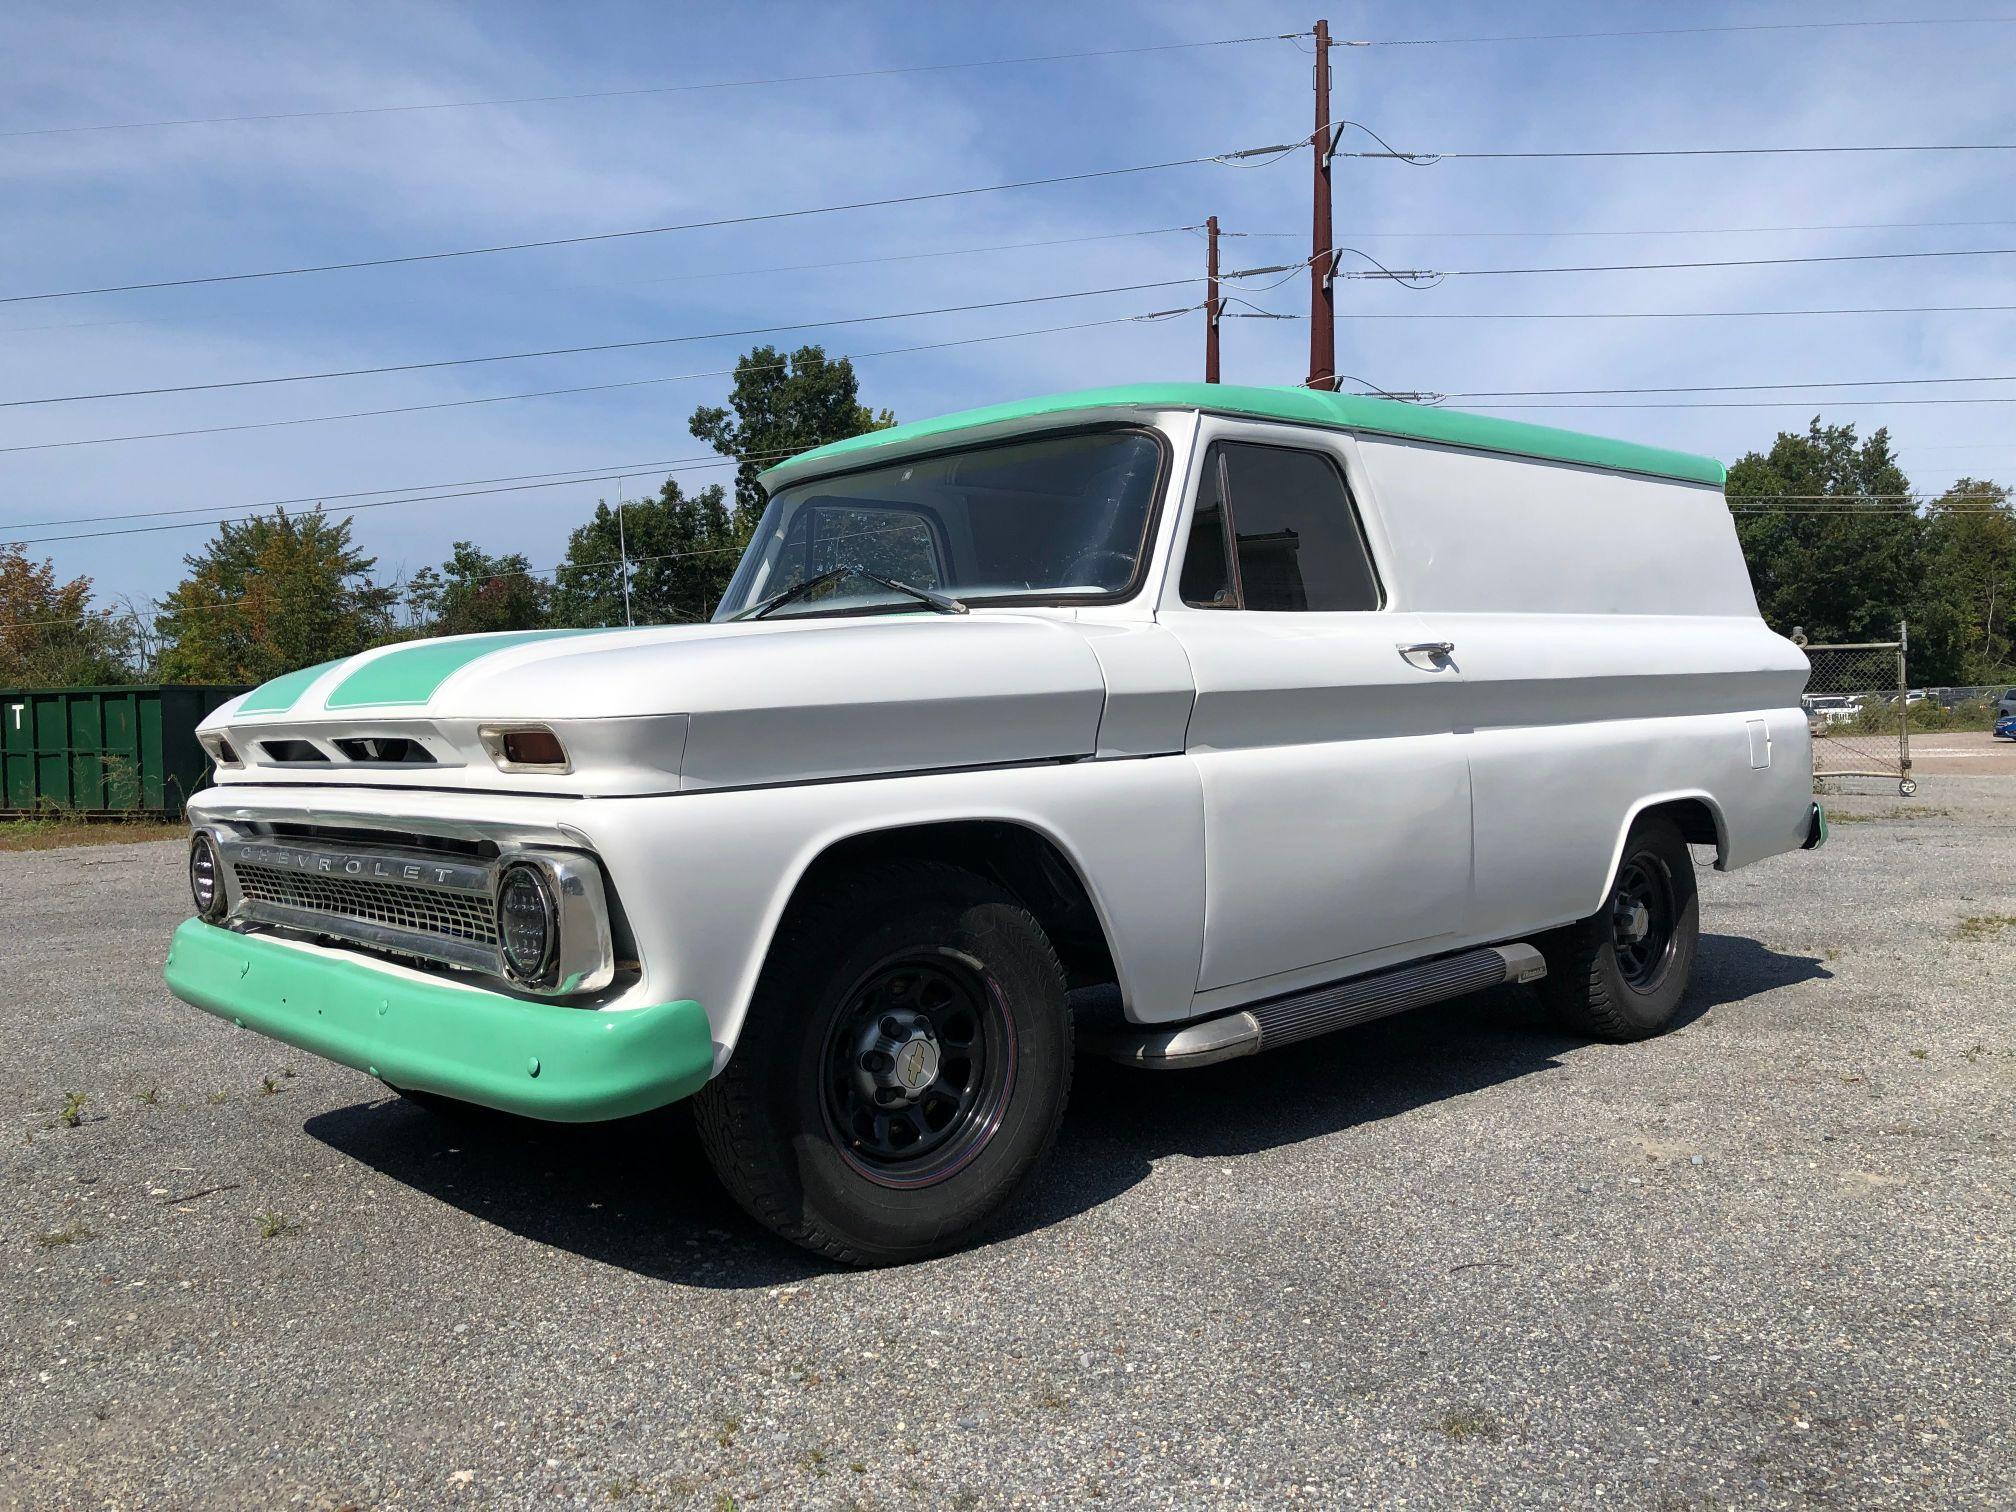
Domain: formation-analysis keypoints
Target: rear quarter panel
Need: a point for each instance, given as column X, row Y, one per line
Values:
column 1612, row 658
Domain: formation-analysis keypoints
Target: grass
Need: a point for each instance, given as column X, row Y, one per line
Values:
column 1984, row 926
column 75, row 1233
column 274, row 1225
column 57, row 834
column 1901, row 811
column 1464, row 1425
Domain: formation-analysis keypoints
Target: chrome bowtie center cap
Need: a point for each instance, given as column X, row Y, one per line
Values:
column 897, row 1059
column 917, row 1065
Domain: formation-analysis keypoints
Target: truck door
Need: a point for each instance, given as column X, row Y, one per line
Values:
column 1336, row 791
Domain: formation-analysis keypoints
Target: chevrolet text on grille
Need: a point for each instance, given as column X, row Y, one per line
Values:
column 379, row 867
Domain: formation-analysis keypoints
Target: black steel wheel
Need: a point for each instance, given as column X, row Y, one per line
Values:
column 920, row 1060
column 1621, row 973
column 902, row 1070
column 1642, row 916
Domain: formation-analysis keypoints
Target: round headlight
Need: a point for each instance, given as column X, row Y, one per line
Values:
column 526, row 925
column 206, row 877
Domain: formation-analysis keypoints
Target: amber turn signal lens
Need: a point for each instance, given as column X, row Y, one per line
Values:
column 533, row 748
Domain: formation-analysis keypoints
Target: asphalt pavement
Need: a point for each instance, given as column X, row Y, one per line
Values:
column 1457, row 1258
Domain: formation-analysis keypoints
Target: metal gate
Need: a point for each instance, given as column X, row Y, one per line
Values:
column 1858, row 705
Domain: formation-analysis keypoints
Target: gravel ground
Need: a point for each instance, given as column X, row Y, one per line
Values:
column 1452, row 1259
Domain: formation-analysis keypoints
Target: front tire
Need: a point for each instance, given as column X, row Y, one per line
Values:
column 1621, row 973
column 903, row 1068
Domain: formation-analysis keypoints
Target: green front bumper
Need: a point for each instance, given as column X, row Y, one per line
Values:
column 543, row 1060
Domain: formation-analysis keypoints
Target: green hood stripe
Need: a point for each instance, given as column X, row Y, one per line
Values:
column 413, row 674
column 278, row 695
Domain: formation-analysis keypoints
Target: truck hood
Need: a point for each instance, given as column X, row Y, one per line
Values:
column 681, row 707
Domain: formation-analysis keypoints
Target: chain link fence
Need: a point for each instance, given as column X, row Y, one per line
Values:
column 1857, row 705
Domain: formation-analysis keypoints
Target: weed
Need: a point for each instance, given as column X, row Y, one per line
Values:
column 274, row 1225
column 75, row 1233
column 1919, row 1054
column 55, row 833
column 151, row 1097
column 1900, row 811
column 268, row 1086
column 1463, row 1424
column 725, row 1434
column 73, row 1109
column 1984, row 926
column 1047, row 1395
column 218, row 1097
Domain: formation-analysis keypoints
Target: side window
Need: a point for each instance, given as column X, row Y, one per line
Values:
column 1296, row 540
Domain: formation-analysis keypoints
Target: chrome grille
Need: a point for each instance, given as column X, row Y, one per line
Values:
column 398, row 905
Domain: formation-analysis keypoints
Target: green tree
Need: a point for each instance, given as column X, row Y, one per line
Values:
column 779, row 405
column 473, row 592
column 1828, row 546
column 1971, row 561
column 268, row 595
column 681, row 550
column 50, row 636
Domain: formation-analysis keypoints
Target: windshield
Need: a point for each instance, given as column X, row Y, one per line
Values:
column 1058, row 520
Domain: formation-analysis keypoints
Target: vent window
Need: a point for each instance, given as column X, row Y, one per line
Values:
column 292, row 750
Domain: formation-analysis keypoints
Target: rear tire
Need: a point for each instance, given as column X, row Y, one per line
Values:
column 903, row 1068
column 1621, row 973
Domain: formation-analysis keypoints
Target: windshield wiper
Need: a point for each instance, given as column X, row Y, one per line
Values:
column 943, row 603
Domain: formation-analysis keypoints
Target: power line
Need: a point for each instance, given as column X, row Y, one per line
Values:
column 266, row 509
column 1650, row 314
column 1689, row 31
column 654, row 89
column 1734, row 262
column 863, row 262
column 1721, row 388
column 1752, row 404
column 587, row 388
column 756, row 218
column 1426, row 158
column 602, row 346
column 1564, row 233
column 569, row 474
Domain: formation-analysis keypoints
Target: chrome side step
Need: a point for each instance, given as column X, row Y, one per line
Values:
column 1303, row 1015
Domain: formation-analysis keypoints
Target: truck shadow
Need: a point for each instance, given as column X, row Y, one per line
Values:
column 639, row 1194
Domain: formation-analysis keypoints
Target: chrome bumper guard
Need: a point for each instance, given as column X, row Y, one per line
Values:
column 418, row 902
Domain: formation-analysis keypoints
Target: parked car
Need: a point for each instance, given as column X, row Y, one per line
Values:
column 2006, row 704
column 1250, row 713
column 1826, row 710
column 2005, row 727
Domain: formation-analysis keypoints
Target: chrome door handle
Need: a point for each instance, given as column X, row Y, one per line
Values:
column 1430, row 648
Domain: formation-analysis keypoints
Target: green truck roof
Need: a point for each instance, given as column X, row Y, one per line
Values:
column 1385, row 417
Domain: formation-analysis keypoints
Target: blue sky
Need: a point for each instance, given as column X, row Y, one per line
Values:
column 123, row 206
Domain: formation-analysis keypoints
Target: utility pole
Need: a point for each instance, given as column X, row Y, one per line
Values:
column 1211, row 308
column 623, row 550
column 1322, row 314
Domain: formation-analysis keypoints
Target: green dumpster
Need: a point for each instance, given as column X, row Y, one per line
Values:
column 90, row 751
